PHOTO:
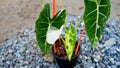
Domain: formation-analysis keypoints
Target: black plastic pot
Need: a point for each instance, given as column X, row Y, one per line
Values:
column 65, row 63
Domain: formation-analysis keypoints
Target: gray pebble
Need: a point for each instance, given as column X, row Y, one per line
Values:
column 118, row 63
column 118, row 49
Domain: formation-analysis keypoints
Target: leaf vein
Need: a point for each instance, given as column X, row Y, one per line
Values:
column 91, row 12
column 102, row 14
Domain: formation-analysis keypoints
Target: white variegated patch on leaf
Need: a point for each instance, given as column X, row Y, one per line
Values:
column 53, row 34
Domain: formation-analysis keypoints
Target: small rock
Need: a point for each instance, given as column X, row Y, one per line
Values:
column 111, row 60
column 35, row 45
column 17, row 54
column 10, row 51
column 114, row 66
column 91, row 67
column 78, row 66
column 101, row 46
column 16, row 41
column 17, row 47
column 21, row 61
column 107, row 44
column 45, row 64
column 82, row 24
column 22, row 49
column 38, row 66
column 117, row 63
column 102, row 65
column 52, row 65
column 108, row 66
column 48, row 57
column 118, row 49
column 85, row 57
column 110, row 42
column 25, row 62
column 27, row 51
column 97, row 65
column 7, row 65
column 80, row 56
column 97, row 56
column 40, row 60
column 8, row 62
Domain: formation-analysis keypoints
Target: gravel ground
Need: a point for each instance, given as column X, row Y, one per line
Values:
column 21, row 50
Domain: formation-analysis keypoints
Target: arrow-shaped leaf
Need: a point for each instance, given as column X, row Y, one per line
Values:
column 70, row 40
column 95, row 16
column 46, row 26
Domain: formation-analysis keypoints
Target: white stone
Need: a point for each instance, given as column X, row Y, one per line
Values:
column 107, row 44
column 35, row 45
column 97, row 56
column 117, row 63
column 16, row 41
column 110, row 42
column 48, row 57
column 111, row 60
column 85, row 57
column 118, row 49
column 10, row 51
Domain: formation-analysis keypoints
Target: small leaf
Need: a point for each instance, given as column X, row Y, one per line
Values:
column 45, row 24
column 70, row 40
column 96, row 14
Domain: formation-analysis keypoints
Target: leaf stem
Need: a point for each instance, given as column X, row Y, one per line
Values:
column 55, row 50
column 81, row 19
column 53, row 8
column 42, row 3
column 59, row 40
column 61, row 3
column 79, row 41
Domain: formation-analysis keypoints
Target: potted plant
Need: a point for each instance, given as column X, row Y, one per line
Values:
column 66, row 48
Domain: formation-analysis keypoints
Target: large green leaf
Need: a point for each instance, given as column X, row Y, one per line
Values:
column 70, row 40
column 46, row 26
column 95, row 16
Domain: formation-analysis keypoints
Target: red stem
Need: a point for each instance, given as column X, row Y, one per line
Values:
column 55, row 48
column 53, row 14
column 54, row 8
column 79, row 41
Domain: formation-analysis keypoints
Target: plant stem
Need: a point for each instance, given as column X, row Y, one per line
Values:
column 53, row 8
column 79, row 41
column 61, row 3
column 81, row 19
column 53, row 14
column 42, row 3
column 55, row 50
column 59, row 40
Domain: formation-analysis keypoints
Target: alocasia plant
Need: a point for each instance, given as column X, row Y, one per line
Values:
column 48, row 29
